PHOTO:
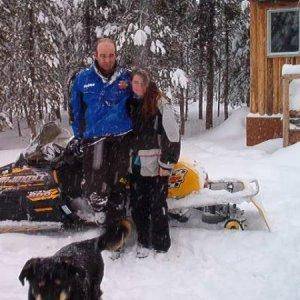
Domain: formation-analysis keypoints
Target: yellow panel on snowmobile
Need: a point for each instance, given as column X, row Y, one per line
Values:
column 184, row 180
column 42, row 195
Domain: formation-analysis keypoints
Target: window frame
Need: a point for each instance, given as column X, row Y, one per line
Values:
column 280, row 54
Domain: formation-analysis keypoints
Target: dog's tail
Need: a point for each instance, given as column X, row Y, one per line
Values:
column 115, row 236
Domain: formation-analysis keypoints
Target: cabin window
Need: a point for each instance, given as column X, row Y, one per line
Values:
column 283, row 32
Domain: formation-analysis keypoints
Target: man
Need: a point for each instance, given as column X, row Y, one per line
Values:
column 100, row 122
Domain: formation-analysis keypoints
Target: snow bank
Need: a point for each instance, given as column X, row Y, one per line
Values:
column 233, row 127
column 232, row 132
column 289, row 156
column 204, row 261
column 269, row 146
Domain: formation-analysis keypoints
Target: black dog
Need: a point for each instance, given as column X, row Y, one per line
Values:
column 75, row 271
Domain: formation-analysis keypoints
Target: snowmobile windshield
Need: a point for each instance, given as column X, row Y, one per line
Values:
column 48, row 144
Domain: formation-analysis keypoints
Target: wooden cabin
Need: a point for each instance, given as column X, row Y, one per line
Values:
column 274, row 41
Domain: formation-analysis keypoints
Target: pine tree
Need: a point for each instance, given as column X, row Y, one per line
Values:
column 210, row 63
column 44, row 43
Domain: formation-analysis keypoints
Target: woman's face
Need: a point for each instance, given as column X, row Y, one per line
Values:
column 139, row 87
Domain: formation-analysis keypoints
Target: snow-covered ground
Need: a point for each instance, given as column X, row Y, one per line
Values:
column 203, row 262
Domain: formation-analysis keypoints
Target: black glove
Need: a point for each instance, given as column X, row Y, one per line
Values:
column 51, row 152
column 75, row 147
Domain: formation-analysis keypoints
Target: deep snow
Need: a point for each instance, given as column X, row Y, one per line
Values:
column 204, row 262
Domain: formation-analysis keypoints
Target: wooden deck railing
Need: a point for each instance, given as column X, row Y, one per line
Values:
column 286, row 131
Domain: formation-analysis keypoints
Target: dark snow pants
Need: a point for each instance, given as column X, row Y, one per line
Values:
column 149, row 211
column 105, row 167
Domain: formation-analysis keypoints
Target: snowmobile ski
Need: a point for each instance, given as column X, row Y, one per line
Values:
column 261, row 211
column 29, row 227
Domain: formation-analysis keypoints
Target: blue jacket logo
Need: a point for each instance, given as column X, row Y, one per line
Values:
column 88, row 85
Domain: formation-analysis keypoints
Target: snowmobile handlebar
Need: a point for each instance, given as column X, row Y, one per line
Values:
column 255, row 185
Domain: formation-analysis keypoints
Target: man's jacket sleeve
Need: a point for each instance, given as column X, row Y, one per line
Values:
column 77, row 109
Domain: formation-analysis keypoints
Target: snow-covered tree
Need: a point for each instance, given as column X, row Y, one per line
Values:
column 44, row 43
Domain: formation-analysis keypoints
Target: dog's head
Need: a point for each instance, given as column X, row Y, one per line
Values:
column 54, row 279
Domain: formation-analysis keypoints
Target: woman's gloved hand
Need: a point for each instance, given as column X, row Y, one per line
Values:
column 164, row 172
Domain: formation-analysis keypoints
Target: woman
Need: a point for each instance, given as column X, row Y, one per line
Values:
column 156, row 149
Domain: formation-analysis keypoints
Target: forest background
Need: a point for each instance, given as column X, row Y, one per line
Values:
column 196, row 50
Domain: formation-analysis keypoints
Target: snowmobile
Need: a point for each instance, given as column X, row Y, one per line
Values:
column 42, row 190
column 38, row 188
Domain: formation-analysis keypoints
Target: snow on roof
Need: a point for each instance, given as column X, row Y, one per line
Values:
column 290, row 69
column 295, row 94
column 294, row 85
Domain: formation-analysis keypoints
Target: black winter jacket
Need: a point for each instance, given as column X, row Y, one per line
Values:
column 156, row 141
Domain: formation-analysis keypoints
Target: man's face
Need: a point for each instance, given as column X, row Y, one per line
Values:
column 106, row 56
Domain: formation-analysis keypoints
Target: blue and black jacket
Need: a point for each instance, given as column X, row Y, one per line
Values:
column 98, row 105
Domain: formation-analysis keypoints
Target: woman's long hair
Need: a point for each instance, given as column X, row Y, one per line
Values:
column 151, row 96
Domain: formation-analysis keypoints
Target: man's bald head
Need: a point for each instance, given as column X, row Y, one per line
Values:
column 106, row 54
column 105, row 40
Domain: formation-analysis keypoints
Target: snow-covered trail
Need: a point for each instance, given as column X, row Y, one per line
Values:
column 203, row 262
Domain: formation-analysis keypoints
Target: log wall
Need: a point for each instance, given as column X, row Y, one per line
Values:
column 265, row 72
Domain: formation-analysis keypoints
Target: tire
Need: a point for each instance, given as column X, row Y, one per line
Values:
column 233, row 224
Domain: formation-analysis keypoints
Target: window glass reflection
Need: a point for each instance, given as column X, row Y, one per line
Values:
column 285, row 31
